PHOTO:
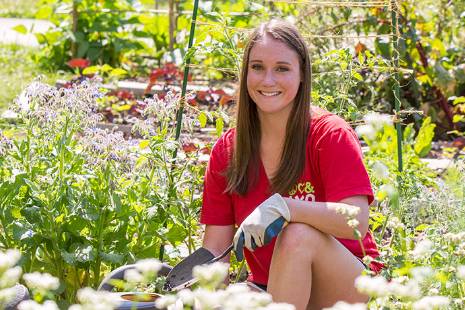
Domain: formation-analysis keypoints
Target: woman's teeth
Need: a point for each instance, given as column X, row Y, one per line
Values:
column 269, row 94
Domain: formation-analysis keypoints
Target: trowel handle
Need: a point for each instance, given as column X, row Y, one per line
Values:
column 226, row 252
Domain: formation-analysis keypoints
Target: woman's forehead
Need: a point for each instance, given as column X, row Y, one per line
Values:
column 269, row 49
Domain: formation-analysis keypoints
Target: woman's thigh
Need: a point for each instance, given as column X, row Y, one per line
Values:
column 334, row 270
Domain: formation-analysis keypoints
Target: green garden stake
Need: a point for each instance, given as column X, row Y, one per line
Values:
column 183, row 95
column 396, row 90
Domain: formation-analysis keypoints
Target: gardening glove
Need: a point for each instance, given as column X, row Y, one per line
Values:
column 262, row 225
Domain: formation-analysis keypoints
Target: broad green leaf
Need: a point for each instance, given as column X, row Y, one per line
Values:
column 357, row 75
column 118, row 72
column 90, row 70
column 202, row 119
column 421, row 227
column 44, row 12
column 144, row 144
column 459, row 100
column 219, row 126
column 458, row 118
column 20, row 28
column 425, row 137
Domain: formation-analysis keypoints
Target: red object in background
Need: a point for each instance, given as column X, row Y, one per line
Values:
column 205, row 150
column 80, row 63
column 192, row 102
column 189, row 147
column 125, row 95
column 459, row 142
column 225, row 99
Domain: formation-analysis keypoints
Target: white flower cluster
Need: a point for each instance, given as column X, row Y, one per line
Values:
column 455, row 238
column 9, row 275
column 145, row 271
column 234, row 297
column 423, row 249
column 374, row 123
column 42, row 282
column 350, row 212
column 395, row 224
column 94, row 300
column 461, row 272
column 380, row 171
column 431, row 302
column 379, row 287
column 341, row 305
column 32, row 305
column 211, row 275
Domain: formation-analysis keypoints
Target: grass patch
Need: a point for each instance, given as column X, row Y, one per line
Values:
column 17, row 70
column 18, row 8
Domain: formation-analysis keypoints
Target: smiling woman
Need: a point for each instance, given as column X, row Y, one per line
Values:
column 292, row 178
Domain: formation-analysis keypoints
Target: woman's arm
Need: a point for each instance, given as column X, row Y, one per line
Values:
column 218, row 238
column 323, row 215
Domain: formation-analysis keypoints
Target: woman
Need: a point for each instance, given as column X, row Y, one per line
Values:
column 284, row 170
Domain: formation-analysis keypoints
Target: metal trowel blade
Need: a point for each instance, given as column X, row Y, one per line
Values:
column 181, row 274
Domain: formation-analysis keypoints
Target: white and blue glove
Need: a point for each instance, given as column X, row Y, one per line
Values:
column 262, row 225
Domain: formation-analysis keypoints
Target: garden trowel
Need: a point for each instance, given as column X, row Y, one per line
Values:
column 181, row 275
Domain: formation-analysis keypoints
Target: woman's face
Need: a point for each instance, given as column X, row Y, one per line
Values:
column 273, row 76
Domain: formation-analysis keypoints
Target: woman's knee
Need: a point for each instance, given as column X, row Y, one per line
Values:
column 300, row 237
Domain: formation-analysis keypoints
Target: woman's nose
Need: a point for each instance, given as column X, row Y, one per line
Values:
column 268, row 79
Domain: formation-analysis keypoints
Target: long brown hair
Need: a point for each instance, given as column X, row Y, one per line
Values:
column 243, row 169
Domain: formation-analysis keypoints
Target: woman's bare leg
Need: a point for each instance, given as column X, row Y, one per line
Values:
column 312, row 270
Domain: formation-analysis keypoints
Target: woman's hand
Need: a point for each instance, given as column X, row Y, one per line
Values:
column 262, row 225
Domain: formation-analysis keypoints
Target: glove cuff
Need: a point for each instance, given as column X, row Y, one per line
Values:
column 282, row 205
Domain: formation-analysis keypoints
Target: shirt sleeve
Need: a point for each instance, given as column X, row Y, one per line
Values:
column 217, row 207
column 341, row 166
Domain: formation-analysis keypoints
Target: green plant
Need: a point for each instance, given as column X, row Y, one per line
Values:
column 80, row 201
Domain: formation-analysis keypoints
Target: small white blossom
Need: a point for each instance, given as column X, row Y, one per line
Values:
column 377, row 120
column 347, row 210
column 431, row 302
column 10, row 277
column 41, row 281
column 206, row 299
column 422, row 249
column 32, row 305
column 353, row 223
column 8, row 259
column 341, row 305
column 6, row 295
column 133, row 276
column 455, row 238
column 149, row 267
column 186, row 296
column 395, row 223
column 213, row 274
column 95, row 300
column 461, row 272
column 380, row 171
column 373, row 286
column 278, row 306
column 366, row 131
column 165, row 301
column 422, row 273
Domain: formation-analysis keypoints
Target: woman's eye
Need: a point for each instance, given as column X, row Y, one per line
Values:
column 282, row 69
column 256, row 67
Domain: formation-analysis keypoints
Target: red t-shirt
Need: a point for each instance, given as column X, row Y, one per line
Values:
column 333, row 171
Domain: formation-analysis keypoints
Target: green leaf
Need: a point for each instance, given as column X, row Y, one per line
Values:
column 357, row 75
column 458, row 118
column 202, row 119
column 118, row 72
column 90, row 70
column 421, row 227
column 20, row 28
column 459, row 100
column 144, row 144
column 82, row 49
column 425, row 137
column 219, row 126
